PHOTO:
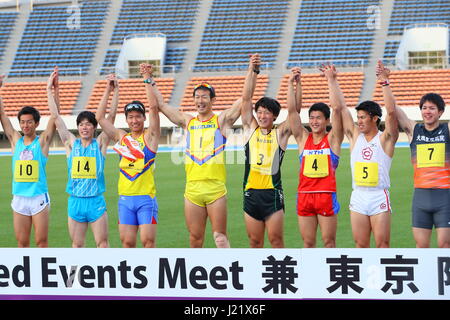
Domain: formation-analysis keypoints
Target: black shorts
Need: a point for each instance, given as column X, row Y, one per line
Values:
column 262, row 203
column 431, row 207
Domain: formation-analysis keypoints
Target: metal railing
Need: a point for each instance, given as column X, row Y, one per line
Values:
column 226, row 66
column 43, row 72
column 134, row 71
column 314, row 64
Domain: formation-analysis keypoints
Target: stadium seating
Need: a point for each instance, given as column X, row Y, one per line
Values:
column 406, row 12
column 130, row 89
column 331, row 31
column 409, row 86
column 236, row 28
column 315, row 88
column 228, row 89
column 7, row 20
column 20, row 94
column 173, row 18
column 55, row 36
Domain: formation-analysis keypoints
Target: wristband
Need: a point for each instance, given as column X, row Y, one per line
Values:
column 256, row 71
column 149, row 81
column 385, row 83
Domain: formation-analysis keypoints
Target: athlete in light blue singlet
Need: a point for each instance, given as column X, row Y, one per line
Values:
column 85, row 164
column 31, row 201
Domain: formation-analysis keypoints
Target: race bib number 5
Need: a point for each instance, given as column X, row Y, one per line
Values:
column 316, row 166
column 26, row 171
column 431, row 155
column 84, row 168
column 366, row 174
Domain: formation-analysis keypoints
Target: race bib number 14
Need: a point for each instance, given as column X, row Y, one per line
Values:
column 84, row 168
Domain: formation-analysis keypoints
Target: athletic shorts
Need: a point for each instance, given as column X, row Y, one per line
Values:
column 431, row 207
column 204, row 192
column 317, row 203
column 371, row 202
column 262, row 203
column 87, row 209
column 29, row 206
column 138, row 210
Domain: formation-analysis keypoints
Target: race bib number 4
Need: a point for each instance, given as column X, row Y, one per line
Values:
column 366, row 174
column 26, row 171
column 84, row 168
column 316, row 166
column 431, row 155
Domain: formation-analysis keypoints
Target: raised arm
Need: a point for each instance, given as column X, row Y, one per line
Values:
column 153, row 96
column 107, row 124
column 293, row 99
column 66, row 136
column 46, row 137
column 351, row 130
column 337, row 102
column 402, row 121
column 12, row 134
column 248, row 120
column 228, row 117
column 390, row 133
column 112, row 85
column 176, row 116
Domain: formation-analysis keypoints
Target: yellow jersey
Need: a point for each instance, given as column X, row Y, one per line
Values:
column 136, row 177
column 204, row 156
column 263, row 157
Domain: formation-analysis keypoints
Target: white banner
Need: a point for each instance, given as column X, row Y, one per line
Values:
column 226, row 273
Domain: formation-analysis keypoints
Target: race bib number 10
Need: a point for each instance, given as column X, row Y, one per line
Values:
column 26, row 171
column 366, row 174
column 431, row 155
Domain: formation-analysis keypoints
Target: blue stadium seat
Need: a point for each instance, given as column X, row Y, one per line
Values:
column 328, row 30
column 237, row 28
column 7, row 21
column 54, row 36
column 173, row 18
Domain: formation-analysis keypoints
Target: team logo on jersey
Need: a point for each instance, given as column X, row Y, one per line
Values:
column 367, row 153
column 26, row 155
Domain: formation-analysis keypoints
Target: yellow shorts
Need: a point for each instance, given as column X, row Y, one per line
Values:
column 204, row 192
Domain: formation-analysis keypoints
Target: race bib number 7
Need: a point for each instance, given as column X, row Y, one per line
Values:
column 84, row 168
column 430, row 155
column 366, row 174
column 26, row 171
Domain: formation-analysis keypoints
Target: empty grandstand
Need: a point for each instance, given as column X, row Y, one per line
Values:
column 407, row 12
column 332, row 30
column 237, row 28
column 7, row 20
column 62, row 35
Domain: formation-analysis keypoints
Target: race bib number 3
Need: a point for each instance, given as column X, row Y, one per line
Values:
column 366, row 174
column 316, row 166
column 26, row 171
column 84, row 168
column 431, row 155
